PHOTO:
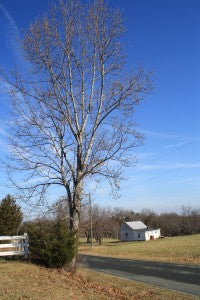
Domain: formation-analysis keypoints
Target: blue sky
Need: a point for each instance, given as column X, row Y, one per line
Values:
column 163, row 36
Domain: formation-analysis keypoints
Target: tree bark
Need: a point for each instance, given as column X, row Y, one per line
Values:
column 100, row 240
column 88, row 238
column 74, row 209
column 74, row 229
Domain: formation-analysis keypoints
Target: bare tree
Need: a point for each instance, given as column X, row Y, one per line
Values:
column 190, row 220
column 103, row 223
column 73, row 109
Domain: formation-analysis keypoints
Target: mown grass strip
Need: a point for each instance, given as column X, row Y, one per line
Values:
column 182, row 249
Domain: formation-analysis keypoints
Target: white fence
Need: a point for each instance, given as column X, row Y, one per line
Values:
column 18, row 245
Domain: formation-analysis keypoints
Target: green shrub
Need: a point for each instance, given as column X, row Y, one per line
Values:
column 50, row 243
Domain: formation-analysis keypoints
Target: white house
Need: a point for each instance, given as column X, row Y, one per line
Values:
column 137, row 231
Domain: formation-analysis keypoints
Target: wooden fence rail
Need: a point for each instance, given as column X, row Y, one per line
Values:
column 15, row 245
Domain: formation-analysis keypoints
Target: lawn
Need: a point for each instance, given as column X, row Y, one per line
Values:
column 19, row 280
column 182, row 249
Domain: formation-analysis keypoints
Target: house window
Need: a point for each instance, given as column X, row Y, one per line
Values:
column 138, row 235
column 126, row 234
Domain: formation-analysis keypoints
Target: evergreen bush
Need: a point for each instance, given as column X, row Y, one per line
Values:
column 50, row 243
column 10, row 216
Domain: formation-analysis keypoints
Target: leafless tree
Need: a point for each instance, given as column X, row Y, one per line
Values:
column 190, row 220
column 73, row 109
column 103, row 224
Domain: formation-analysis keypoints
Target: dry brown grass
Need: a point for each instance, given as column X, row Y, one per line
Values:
column 20, row 280
column 182, row 249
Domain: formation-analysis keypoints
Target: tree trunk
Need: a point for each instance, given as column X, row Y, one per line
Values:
column 74, row 212
column 88, row 238
column 99, row 240
column 74, row 229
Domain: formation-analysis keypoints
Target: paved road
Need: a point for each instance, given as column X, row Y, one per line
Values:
column 183, row 278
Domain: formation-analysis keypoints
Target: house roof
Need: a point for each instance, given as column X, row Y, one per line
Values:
column 136, row 225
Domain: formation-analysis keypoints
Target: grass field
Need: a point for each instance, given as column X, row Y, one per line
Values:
column 20, row 280
column 183, row 249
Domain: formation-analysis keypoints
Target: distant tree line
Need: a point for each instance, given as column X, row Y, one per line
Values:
column 106, row 222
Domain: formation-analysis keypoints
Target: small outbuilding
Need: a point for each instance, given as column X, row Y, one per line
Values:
column 137, row 231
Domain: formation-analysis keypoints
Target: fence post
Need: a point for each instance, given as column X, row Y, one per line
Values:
column 26, row 246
